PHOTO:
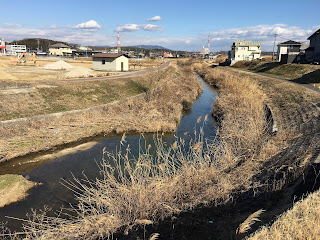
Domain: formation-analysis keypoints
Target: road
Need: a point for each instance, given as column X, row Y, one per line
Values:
column 133, row 74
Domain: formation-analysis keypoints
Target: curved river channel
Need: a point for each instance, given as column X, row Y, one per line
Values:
column 52, row 193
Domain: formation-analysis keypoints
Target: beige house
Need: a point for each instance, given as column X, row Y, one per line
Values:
column 60, row 49
column 110, row 62
column 244, row 50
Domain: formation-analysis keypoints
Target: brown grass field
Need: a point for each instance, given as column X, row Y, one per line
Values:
column 157, row 108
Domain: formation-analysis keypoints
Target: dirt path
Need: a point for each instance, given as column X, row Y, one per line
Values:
column 135, row 74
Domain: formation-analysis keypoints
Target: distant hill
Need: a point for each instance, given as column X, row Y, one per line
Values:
column 32, row 43
column 150, row 47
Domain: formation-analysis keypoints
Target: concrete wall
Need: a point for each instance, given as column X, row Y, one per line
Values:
column 111, row 64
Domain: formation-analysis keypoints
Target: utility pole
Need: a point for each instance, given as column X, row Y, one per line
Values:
column 274, row 43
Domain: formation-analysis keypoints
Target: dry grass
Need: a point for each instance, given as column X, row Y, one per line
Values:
column 177, row 178
column 40, row 99
column 246, row 225
column 13, row 188
column 288, row 71
column 151, row 187
column 158, row 108
column 300, row 222
column 145, row 63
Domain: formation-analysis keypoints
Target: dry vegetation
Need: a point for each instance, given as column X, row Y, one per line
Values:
column 144, row 190
column 13, row 188
column 304, row 73
column 10, row 71
column 158, row 108
column 300, row 222
column 178, row 178
column 37, row 98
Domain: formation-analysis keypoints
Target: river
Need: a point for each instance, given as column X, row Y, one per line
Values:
column 50, row 172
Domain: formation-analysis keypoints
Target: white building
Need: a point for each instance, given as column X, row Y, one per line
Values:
column 15, row 50
column 204, row 50
column 110, row 62
column 243, row 50
column 60, row 49
column 288, row 51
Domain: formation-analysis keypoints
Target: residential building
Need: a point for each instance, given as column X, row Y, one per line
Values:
column 204, row 50
column 15, row 50
column 167, row 55
column 313, row 51
column 60, row 49
column 110, row 62
column 114, row 50
column 288, row 52
column 244, row 50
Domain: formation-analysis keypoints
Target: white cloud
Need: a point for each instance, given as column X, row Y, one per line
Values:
column 154, row 19
column 90, row 25
column 136, row 27
column 152, row 28
column 127, row 28
column 262, row 33
column 220, row 39
column 13, row 25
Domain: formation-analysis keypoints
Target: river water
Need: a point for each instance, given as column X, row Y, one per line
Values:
column 50, row 173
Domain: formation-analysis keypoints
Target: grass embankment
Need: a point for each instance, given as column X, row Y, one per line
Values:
column 300, row 73
column 41, row 99
column 159, row 108
column 145, row 190
column 296, row 112
column 13, row 188
column 300, row 222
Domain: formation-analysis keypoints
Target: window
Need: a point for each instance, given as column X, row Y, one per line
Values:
column 103, row 62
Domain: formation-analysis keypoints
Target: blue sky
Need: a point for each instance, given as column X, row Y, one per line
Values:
column 176, row 24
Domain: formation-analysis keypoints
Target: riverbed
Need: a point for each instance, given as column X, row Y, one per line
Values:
column 52, row 168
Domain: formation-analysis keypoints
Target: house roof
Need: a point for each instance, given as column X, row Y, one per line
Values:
column 290, row 42
column 309, row 49
column 59, row 45
column 246, row 43
column 109, row 55
column 316, row 32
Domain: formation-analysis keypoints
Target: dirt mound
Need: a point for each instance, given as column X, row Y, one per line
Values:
column 78, row 72
column 58, row 65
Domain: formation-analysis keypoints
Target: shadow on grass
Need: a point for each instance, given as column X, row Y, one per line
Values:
column 210, row 222
column 267, row 67
column 312, row 77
